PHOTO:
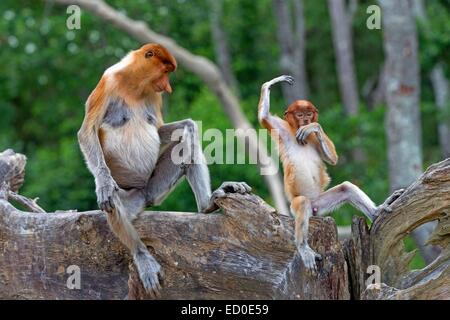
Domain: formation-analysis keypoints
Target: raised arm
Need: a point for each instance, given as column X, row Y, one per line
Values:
column 266, row 119
column 324, row 144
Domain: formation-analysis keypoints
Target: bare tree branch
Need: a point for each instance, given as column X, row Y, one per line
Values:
column 27, row 203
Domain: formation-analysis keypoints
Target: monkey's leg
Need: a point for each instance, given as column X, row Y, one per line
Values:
column 302, row 211
column 193, row 167
column 197, row 173
column 167, row 174
column 346, row 192
column 164, row 178
column 181, row 157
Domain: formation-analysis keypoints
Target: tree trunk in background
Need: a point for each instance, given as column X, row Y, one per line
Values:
column 373, row 89
column 440, row 87
column 220, row 43
column 343, row 47
column 418, row 8
column 300, row 50
column 403, row 99
column 402, row 93
column 292, row 44
column 442, row 97
column 341, row 18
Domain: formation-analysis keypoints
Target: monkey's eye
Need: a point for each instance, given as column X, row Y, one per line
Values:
column 309, row 114
column 149, row 54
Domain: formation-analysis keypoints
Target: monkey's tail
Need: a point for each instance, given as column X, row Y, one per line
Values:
column 149, row 270
column 122, row 227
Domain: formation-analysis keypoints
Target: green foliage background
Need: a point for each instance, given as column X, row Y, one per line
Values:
column 47, row 72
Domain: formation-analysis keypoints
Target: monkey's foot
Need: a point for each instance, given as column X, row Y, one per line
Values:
column 221, row 192
column 309, row 257
column 386, row 206
column 150, row 272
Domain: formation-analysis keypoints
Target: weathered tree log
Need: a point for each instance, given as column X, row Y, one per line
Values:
column 382, row 245
column 246, row 252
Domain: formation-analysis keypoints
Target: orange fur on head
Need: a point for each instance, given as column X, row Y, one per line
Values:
column 300, row 106
column 139, row 78
column 153, row 62
column 148, row 72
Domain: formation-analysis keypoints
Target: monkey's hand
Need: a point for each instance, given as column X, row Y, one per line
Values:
column 304, row 132
column 309, row 257
column 105, row 189
column 221, row 192
column 283, row 78
column 386, row 206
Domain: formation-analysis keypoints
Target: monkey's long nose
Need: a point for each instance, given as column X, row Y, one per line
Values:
column 168, row 87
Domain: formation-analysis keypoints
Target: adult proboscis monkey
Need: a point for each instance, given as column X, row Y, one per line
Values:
column 122, row 136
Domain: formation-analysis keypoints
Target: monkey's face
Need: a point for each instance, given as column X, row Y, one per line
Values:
column 155, row 64
column 300, row 113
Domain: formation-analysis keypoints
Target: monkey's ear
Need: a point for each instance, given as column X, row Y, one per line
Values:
column 149, row 54
column 316, row 116
column 289, row 118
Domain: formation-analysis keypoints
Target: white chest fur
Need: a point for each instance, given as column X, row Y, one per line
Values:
column 307, row 163
column 132, row 148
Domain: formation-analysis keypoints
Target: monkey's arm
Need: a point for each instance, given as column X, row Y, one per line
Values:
column 266, row 119
column 327, row 147
column 88, row 138
column 324, row 144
